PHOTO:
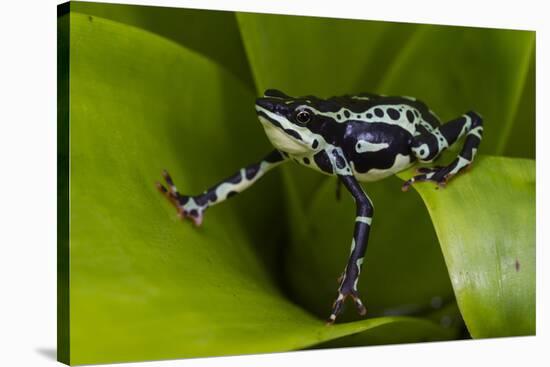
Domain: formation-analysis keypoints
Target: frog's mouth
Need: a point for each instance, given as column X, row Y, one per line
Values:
column 282, row 134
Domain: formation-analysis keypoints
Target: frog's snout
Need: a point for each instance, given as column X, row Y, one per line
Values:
column 266, row 103
column 273, row 105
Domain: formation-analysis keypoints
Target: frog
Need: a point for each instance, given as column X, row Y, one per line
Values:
column 358, row 138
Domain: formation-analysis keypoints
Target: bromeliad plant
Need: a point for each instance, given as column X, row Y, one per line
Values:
column 155, row 87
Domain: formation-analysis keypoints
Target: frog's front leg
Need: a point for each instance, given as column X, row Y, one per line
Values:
column 193, row 207
column 427, row 147
column 350, row 276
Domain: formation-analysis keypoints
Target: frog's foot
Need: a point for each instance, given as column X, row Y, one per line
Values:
column 185, row 205
column 344, row 292
column 438, row 174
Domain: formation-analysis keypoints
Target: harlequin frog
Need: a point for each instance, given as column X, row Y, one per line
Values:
column 357, row 138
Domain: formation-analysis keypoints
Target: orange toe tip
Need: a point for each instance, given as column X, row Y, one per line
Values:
column 160, row 188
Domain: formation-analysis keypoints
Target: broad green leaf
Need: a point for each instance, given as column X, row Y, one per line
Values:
column 393, row 333
column 320, row 56
column 485, row 221
column 144, row 285
column 195, row 29
column 457, row 69
column 404, row 268
column 522, row 135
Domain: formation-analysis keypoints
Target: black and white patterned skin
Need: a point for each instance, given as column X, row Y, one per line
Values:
column 358, row 138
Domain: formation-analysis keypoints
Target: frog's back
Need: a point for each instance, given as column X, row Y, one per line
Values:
column 379, row 130
column 366, row 102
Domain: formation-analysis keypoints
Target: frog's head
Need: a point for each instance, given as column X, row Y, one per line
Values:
column 286, row 121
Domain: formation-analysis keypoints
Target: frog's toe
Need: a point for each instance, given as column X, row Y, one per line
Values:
column 418, row 178
column 171, row 198
column 196, row 215
column 172, row 189
column 408, row 183
column 440, row 175
column 171, row 192
column 336, row 308
column 423, row 170
column 361, row 309
column 338, row 305
column 185, row 205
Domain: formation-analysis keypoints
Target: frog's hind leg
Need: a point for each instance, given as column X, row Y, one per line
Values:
column 193, row 207
column 350, row 276
column 429, row 146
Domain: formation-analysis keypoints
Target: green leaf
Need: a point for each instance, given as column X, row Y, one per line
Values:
column 144, row 285
column 320, row 56
column 457, row 69
column 485, row 222
column 393, row 333
column 521, row 142
column 195, row 29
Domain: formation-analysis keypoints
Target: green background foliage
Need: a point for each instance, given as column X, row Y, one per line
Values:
column 154, row 88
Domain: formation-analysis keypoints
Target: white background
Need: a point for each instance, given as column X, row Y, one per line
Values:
column 28, row 183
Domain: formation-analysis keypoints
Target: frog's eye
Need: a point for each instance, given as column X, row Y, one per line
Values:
column 303, row 117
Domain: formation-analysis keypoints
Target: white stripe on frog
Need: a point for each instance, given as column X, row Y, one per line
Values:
column 363, row 146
